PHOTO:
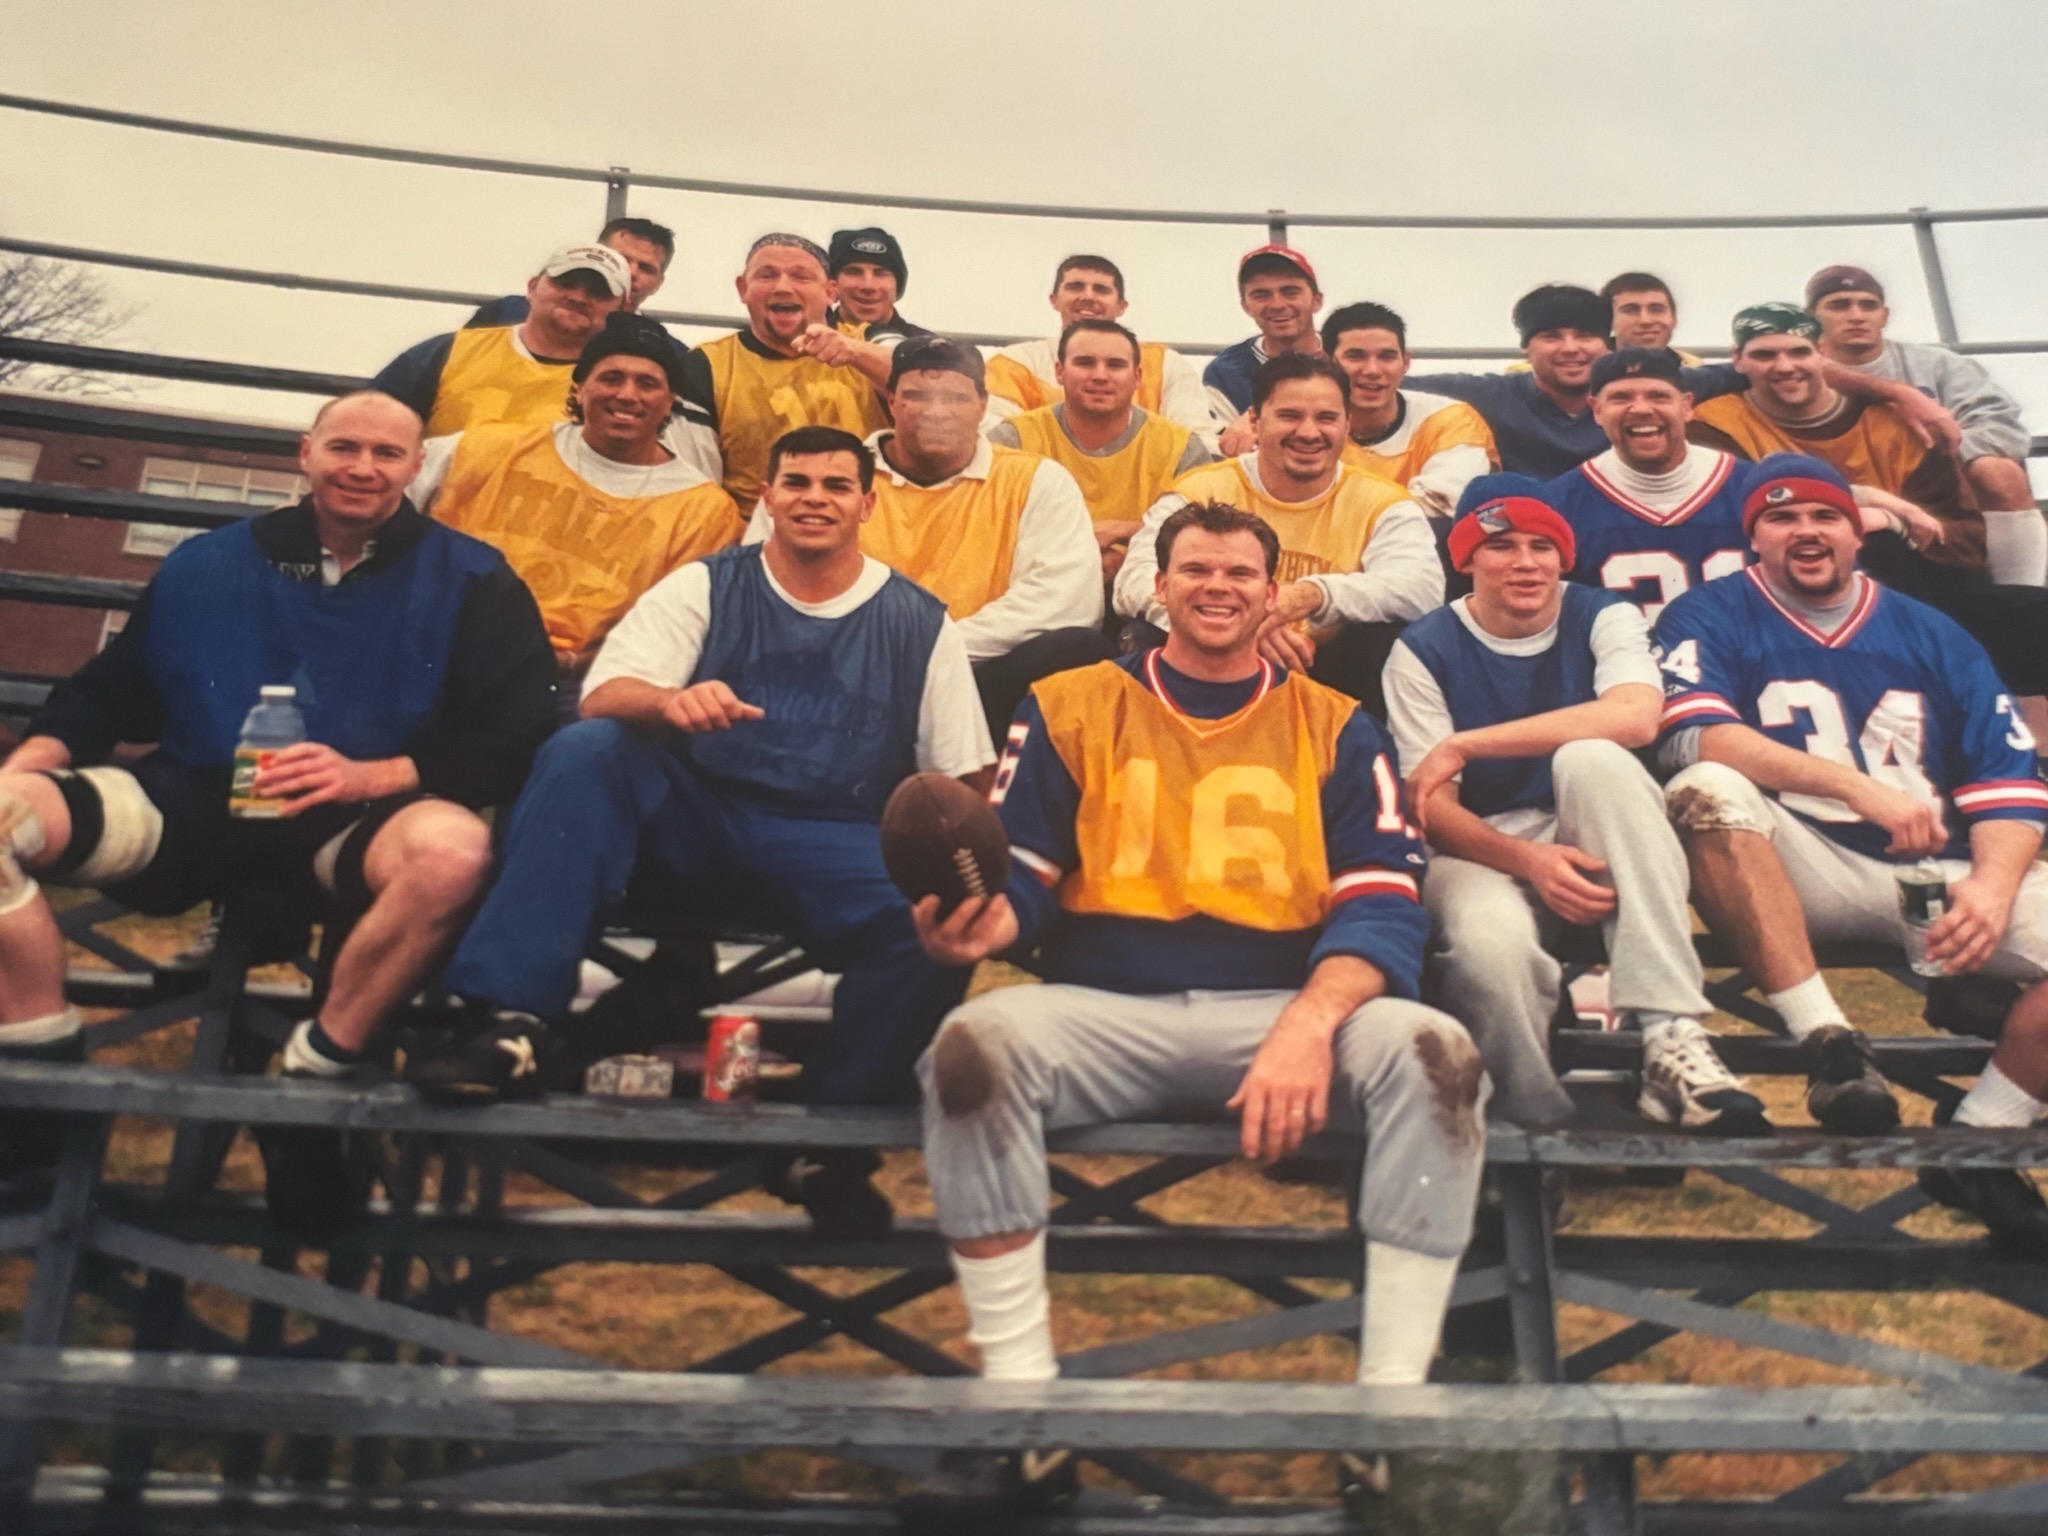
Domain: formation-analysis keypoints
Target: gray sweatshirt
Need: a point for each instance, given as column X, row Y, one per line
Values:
column 1990, row 418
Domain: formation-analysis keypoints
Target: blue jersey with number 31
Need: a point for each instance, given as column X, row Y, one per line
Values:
column 1898, row 692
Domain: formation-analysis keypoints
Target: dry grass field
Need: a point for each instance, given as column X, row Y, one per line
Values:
column 669, row 1318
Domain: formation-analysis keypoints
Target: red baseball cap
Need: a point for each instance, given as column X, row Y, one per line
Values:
column 1286, row 253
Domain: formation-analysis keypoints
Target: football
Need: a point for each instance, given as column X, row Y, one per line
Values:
column 941, row 838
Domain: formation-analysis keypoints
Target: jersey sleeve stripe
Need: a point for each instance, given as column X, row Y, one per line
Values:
column 1692, row 706
column 2002, row 795
column 1373, row 882
column 1037, row 863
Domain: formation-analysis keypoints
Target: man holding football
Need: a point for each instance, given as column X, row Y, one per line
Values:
column 1212, row 863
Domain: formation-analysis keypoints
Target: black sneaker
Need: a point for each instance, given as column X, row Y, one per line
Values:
column 315, row 1180
column 837, row 1189
column 1041, row 1482
column 493, row 1055
column 31, row 1142
column 1845, row 1093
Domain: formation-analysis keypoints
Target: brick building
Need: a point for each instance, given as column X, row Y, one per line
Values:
column 103, row 446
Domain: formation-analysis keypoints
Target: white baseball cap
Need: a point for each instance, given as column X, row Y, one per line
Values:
column 601, row 259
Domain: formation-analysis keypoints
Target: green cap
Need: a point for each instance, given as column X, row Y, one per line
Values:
column 1776, row 318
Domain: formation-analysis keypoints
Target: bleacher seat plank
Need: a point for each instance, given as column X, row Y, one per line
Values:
column 393, row 1107
column 114, row 1387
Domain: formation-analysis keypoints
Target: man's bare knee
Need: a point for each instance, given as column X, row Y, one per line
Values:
column 963, row 1070
column 438, row 849
column 2000, row 483
column 1710, row 797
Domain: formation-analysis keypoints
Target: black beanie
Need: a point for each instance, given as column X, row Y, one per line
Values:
column 937, row 354
column 1557, row 306
column 876, row 245
column 627, row 335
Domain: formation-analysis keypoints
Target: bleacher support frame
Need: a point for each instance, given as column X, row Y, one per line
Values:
column 440, row 1412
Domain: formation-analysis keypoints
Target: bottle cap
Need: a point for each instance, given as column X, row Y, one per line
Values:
column 279, row 691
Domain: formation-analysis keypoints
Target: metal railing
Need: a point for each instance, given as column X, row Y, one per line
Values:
column 618, row 182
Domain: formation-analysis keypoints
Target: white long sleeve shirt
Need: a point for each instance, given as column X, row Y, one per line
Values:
column 1399, row 577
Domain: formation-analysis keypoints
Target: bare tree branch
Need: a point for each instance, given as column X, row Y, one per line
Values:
column 56, row 301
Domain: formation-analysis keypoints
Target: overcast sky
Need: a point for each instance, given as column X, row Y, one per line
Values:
column 1448, row 107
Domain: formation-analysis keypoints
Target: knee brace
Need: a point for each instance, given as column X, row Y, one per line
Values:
column 115, row 827
column 21, row 837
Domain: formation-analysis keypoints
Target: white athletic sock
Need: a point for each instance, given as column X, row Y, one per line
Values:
column 1807, row 1007
column 1654, row 1024
column 2016, row 547
column 1406, row 1296
column 303, row 1058
column 1009, row 1313
column 44, row 1031
column 1997, row 1100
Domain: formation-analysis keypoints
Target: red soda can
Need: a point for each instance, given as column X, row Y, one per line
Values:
column 732, row 1059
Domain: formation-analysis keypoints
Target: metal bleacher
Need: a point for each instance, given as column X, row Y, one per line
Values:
column 370, row 1381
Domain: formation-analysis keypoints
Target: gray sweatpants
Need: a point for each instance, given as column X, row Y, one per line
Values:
column 1488, row 928
column 1054, row 1056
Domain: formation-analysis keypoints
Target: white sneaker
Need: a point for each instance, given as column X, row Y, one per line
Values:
column 1686, row 1084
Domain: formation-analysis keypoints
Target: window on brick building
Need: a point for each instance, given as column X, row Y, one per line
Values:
column 17, row 462
column 190, row 481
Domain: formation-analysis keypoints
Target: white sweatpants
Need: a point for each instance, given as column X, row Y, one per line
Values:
column 1488, row 929
column 1848, row 896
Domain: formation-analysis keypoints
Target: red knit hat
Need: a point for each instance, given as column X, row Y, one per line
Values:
column 1789, row 478
column 1508, row 509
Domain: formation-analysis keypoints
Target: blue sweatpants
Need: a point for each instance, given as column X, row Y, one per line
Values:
column 602, row 798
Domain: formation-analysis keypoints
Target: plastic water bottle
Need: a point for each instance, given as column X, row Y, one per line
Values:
column 274, row 724
column 1923, row 898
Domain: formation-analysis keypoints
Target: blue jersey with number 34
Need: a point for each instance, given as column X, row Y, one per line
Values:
column 1899, row 692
